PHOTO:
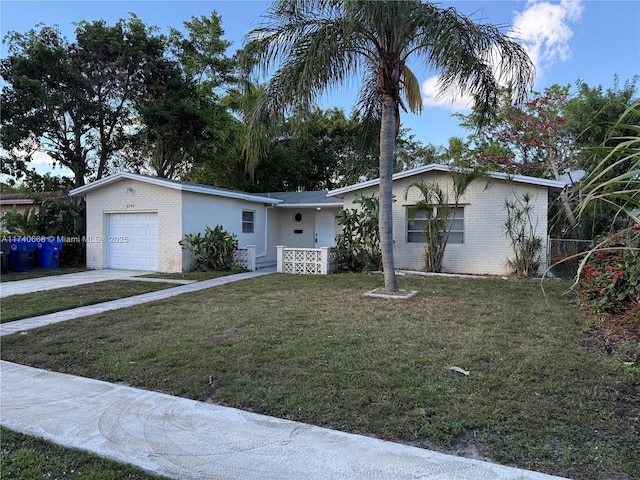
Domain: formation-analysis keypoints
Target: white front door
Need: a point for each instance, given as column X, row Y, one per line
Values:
column 132, row 242
column 325, row 230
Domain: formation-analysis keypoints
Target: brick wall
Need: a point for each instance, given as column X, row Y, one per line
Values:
column 485, row 248
column 130, row 196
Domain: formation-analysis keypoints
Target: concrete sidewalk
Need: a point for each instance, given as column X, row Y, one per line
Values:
column 185, row 439
column 34, row 322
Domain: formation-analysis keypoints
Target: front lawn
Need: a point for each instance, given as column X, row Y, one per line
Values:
column 33, row 304
column 24, row 457
column 541, row 393
column 195, row 275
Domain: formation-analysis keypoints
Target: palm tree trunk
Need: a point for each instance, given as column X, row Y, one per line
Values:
column 387, row 147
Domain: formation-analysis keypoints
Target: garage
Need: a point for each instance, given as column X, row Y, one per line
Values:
column 132, row 241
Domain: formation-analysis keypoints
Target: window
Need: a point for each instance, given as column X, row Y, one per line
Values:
column 455, row 225
column 248, row 221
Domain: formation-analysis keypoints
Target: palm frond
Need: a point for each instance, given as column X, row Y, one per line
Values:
column 411, row 89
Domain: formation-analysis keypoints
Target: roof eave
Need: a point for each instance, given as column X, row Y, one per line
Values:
column 309, row 205
column 444, row 168
column 81, row 191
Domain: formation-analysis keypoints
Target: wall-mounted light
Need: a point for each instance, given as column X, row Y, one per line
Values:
column 318, row 208
column 129, row 189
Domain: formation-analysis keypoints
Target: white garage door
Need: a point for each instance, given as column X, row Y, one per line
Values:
column 133, row 241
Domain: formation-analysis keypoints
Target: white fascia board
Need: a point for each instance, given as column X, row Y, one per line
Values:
column 444, row 168
column 17, row 201
column 227, row 193
column 203, row 189
column 397, row 176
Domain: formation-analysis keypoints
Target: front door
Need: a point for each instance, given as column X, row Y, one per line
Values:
column 325, row 230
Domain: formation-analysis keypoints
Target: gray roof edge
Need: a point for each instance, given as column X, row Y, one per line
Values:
column 308, row 205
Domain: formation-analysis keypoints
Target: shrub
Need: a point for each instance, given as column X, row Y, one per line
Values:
column 610, row 279
column 213, row 251
column 358, row 246
column 520, row 228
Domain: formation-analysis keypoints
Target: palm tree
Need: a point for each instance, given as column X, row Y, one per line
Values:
column 315, row 45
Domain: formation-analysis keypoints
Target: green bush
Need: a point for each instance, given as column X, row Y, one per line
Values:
column 519, row 228
column 610, row 279
column 213, row 251
column 358, row 246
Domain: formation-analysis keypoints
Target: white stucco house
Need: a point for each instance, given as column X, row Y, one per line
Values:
column 136, row 221
column 477, row 244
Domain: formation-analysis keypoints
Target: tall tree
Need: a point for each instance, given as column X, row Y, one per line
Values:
column 318, row 44
column 184, row 122
column 531, row 139
column 593, row 115
column 592, row 111
column 75, row 100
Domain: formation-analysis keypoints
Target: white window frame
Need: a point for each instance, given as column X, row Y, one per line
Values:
column 422, row 215
column 249, row 226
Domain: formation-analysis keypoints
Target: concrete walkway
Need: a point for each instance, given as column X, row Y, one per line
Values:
column 185, row 439
column 59, row 282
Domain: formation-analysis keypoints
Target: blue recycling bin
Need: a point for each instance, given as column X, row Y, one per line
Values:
column 22, row 255
column 45, row 255
column 6, row 251
column 49, row 253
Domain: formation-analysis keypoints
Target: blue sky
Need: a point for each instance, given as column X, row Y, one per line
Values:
column 569, row 40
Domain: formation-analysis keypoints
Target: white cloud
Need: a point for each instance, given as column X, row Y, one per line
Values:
column 41, row 158
column 431, row 96
column 542, row 28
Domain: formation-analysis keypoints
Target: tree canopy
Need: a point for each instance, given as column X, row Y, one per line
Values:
column 116, row 97
column 74, row 101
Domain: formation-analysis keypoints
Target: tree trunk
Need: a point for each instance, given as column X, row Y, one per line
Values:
column 387, row 147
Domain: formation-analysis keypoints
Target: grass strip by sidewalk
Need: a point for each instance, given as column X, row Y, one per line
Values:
column 16, row 307
column 25, row 457
column 541, row 393
column 195, row 275
column 39, row 272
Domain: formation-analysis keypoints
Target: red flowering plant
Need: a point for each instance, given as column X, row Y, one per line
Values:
column 610, row 279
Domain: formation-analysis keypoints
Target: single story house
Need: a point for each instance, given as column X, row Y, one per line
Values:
column 136, row 221
column 477, row 244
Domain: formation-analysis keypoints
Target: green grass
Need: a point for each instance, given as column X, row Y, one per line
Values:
column 39, row 272
column 541, row 394
column 29, row 458
column 33, row 304
column 195, row 275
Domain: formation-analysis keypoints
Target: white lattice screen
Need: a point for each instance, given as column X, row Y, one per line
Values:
column 310, row 261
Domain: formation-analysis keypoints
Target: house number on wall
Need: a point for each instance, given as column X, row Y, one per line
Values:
column 129, row 205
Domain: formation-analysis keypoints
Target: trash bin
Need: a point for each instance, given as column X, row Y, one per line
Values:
column 22, row 255
column 57, row 247
column 45, row 255
column 6, row 250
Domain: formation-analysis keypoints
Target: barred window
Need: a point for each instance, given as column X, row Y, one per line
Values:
column 455, row 225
